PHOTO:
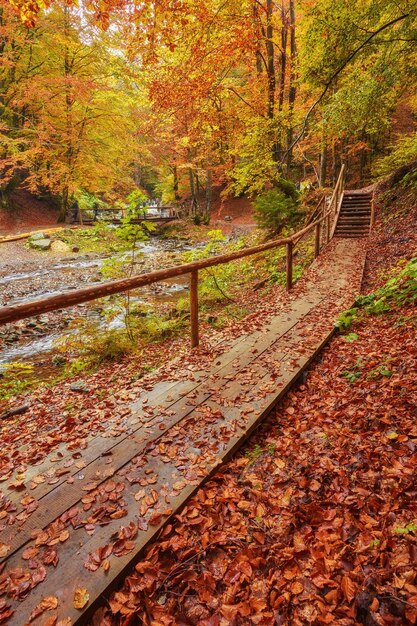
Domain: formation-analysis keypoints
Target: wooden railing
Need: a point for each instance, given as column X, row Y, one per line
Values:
column 321, row 226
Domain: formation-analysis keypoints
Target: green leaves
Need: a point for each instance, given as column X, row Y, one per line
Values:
column 406, row 530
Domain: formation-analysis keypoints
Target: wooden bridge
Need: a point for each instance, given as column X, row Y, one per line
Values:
column 158, row 215
column 91, row 520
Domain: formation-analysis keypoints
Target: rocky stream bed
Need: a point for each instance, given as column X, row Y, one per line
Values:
column 28, row 275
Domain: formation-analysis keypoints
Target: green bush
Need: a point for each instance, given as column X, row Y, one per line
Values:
column 276, row 207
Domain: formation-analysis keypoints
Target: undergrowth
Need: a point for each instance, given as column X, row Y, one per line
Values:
column 399, row 290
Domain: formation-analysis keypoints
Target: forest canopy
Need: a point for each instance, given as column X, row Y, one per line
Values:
column 176, row 96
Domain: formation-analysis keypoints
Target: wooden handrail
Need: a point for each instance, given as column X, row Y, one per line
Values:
column 17, row 312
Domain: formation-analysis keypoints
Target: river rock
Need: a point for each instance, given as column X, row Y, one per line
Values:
column 37, row 236
column 40, row 244
column 60, row 246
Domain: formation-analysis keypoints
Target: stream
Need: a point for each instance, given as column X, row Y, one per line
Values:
column 33, row 341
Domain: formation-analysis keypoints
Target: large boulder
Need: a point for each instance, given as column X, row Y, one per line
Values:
column 40, row 244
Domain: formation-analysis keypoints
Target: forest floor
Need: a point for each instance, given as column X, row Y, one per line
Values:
column 314, row 521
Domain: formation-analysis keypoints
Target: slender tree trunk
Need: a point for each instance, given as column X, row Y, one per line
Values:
column 209, row 193
column 194, row 201
column 292, row 92
column 175, row 175
column 64, row 205
column 283, row 68
column 323, row 163
column 270, row 59
column 68, row 121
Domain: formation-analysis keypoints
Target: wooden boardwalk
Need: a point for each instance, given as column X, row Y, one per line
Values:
column 93, row 519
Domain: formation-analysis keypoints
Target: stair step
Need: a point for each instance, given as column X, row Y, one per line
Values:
column 356, row 229
column 354, row 220
column 353, row 224
column 357, row 233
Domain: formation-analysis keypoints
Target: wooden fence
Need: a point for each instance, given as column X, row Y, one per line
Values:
column 323, row 226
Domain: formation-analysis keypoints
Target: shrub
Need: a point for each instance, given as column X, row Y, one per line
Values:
column 276, row 207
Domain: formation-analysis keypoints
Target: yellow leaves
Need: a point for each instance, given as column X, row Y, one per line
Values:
column 81, row 597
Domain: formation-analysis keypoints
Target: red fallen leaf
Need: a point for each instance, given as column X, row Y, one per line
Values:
column 348, row 588
column 89, row 486
column 142, row 524
column 92, row 562
column 120, row 547
column 30, row 553
column 42, row 538
column 50, row 557
column 411, row 609
column 4, row 615
column 38, row 575
column 128, row 532
column 119, row 514
column 297, row 588
column 46, row 604
column 155, row 519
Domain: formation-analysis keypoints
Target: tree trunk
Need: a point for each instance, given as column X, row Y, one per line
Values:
column 292, row 89
column 283, row 69
column 175, row 184
column 323, row 165
column 209, row 193
column 270, row 59
column 64, row 206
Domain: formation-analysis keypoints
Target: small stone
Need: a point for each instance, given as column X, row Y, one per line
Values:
column 79, row 386
column 75, row 249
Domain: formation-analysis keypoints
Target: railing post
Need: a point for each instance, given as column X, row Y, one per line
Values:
column 194, row 308
column 317, row 241
column 328, row 228
column 290, row 246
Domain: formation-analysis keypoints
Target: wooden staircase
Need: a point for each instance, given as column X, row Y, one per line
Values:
column 355, row 215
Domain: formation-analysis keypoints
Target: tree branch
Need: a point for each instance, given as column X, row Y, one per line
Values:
column 335, row 75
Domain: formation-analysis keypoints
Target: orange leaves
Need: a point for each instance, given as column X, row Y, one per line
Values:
column 46, row 604
column 349, row 588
